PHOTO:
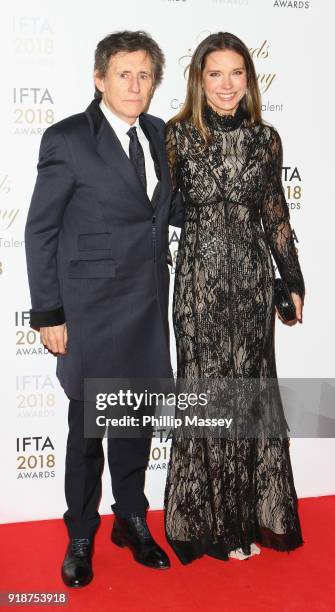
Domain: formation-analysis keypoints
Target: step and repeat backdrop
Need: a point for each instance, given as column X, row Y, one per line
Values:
column 47, row 51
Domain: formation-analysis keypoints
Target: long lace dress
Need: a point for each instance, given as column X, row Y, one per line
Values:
column 224, row 494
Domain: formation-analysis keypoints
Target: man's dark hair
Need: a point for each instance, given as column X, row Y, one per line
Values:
column 128, row 42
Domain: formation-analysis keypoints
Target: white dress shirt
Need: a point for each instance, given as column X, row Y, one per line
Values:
column 121, row 128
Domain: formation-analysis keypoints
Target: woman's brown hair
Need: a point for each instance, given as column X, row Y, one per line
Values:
column 193, row 106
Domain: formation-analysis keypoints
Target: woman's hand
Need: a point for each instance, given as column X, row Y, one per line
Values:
column 298, row 303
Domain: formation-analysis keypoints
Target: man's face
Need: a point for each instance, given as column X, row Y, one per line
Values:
column 128, row 84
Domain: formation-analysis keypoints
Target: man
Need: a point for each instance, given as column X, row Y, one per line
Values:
column 97, row 249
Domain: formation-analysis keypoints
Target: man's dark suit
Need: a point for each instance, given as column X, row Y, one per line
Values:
column 97, row 253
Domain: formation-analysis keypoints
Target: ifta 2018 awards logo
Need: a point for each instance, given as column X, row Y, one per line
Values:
column 35, row 457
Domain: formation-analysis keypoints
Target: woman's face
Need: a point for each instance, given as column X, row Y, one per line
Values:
column 224, row 81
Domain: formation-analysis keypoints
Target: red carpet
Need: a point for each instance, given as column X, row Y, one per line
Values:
column 303, row 580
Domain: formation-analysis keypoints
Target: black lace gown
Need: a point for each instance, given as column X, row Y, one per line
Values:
column 223, row 494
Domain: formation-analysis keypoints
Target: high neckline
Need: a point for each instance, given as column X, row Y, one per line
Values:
column 225, row 123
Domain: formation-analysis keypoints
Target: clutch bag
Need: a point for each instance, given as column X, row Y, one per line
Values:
column 283, row 301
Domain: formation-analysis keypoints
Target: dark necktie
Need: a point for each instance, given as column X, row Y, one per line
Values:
column 136, row 156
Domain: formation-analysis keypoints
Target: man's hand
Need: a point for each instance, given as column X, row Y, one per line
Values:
column 55, row 338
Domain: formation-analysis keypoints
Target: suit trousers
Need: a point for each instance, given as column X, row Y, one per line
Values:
column 128, row 460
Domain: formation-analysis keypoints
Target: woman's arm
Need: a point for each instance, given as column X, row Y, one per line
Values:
column 275, row 218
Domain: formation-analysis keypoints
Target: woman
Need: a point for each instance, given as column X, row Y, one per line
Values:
column 223, row 494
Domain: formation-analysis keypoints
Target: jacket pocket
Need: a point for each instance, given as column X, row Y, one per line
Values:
column 99, row 268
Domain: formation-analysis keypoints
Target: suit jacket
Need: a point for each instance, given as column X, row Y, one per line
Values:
column 97, row 251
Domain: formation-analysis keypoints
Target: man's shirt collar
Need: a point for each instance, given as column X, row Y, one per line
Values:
column 119, row 126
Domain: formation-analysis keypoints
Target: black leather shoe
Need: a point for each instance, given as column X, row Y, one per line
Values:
column 77, row 565
column 134, row 533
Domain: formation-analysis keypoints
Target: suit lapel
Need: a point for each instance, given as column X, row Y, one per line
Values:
column 112, row 153
column 152, row 136
column 157, row 149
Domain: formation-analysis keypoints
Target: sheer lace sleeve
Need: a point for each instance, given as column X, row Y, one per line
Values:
column 171, row 149
column 275, row 219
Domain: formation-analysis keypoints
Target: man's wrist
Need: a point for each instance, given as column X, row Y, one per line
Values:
column 46, row 318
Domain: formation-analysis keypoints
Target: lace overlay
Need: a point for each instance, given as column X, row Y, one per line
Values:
column 223, row 494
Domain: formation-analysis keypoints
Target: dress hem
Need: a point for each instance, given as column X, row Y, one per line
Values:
column 195, row 549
